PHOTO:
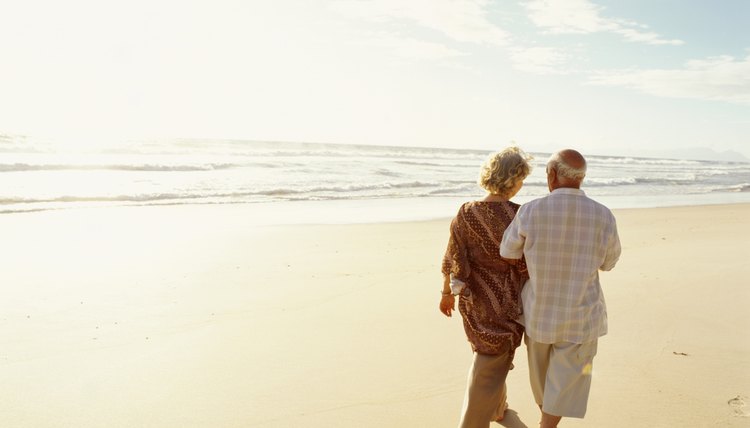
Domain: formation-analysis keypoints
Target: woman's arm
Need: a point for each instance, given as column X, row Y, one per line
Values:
column 447, row 301
column 454, row 263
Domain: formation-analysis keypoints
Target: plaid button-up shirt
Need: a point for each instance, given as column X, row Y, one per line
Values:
column 566, row 238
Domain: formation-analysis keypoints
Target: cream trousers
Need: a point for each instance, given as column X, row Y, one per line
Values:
column 486, row 394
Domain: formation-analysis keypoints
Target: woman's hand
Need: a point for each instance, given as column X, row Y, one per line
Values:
column 447, row 304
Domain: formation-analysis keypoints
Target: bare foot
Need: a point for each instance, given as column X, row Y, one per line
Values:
column 500, row 419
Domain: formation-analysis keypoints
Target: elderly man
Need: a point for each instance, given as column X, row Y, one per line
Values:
column 566, row 239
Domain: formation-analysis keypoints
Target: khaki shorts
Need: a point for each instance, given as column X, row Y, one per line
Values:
column 560, row 375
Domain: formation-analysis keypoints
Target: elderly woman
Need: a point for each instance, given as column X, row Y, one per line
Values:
column 487, row 286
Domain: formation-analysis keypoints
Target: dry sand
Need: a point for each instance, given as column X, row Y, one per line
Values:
column 193, row 317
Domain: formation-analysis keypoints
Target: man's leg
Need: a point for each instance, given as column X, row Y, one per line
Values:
column 538, row 355
column 560, row 376
column 566, row 389
column 549, row 421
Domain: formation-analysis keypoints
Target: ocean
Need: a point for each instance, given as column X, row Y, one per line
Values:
column 308, row 182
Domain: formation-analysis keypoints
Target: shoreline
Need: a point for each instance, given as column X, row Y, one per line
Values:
column 390, row 210
column 197, row 317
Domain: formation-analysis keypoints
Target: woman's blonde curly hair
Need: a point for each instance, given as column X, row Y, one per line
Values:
column 503, row 170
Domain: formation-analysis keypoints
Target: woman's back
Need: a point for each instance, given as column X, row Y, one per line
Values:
column 491, row 304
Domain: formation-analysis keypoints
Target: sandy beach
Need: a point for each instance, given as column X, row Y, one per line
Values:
column 194, row 317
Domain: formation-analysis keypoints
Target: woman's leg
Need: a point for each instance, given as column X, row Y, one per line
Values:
column 502, row 406
column 484, row 389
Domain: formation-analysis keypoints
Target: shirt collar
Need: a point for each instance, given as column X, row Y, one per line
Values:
column 567, row 191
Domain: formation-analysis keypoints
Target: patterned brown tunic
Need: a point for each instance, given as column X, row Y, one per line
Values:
column 492, row 303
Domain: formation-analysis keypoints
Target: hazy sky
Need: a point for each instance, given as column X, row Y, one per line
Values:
column 608, row 77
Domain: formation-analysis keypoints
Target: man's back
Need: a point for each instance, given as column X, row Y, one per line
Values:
column 566, row 239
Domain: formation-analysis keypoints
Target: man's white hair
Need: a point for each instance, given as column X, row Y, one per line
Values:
column 564, row 170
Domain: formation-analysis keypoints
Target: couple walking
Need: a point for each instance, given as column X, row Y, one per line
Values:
column 530, row 269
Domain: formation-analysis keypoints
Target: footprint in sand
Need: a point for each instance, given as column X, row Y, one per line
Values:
column 738, row 406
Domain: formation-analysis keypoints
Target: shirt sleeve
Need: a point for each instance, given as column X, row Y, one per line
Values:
column 511, row 247
column 455, row 261
column 613, row 249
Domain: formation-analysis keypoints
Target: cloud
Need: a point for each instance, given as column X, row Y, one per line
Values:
column 721, row 78
column 538, row 60
column 584, row 17
column 461, row 20
column 409, row 48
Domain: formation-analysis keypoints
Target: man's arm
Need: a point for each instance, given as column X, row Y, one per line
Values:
column 511, row 247
column 613, row 250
